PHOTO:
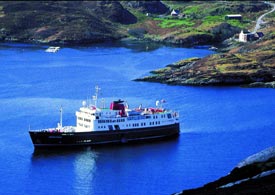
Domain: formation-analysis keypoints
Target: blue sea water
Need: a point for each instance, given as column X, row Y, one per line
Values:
column 220, row 126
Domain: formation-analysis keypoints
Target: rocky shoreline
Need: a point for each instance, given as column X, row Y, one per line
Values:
column 254, row 175
column 216, row 70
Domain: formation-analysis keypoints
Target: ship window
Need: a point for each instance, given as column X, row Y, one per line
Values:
column 87, row 120
column 169, row 116
column 80, row 118
column 117, row 127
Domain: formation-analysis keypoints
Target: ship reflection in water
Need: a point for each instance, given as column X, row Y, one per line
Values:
column 80, row 161
column 84, row 168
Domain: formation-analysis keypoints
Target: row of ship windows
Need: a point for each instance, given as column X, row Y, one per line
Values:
column 156, row 116
column 143, row 124
column 110, row 113
column 135, row 124
column 119, row 120
column 81, row 125
column 85, row 119
column 110, row 121
column 153, row 123
column 162, row 116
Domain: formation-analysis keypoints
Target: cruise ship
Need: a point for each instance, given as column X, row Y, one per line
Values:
column 97, row 125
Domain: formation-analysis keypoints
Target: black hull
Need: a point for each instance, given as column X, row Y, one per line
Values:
column 58, row 139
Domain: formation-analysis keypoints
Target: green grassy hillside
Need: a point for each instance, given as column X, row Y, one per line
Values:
column 80, row 22
column 251, row 63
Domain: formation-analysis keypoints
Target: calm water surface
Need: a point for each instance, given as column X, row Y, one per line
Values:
column 220, row 126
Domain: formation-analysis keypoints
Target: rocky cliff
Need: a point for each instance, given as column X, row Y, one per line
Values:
column 254, row 175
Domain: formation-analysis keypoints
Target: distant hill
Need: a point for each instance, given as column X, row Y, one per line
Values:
column 84, row 22
column 62, row 21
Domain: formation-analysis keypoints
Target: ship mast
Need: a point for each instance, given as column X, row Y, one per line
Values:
column 61, row 113
column 96, row 95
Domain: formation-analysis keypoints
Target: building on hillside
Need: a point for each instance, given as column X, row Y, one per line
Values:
column 246, row 36
column 175, row 13
column 234, row 17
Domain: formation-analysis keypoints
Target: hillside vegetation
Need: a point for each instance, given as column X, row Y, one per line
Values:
column 62, row 21
column 248, row 64
column 71, row 22
column 251, row 64
column 201, row 22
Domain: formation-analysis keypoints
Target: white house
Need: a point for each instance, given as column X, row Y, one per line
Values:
column 246, row 36
column 175, row 13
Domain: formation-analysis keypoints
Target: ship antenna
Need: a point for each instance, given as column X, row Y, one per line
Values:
column 61, row 113
column 96, row 95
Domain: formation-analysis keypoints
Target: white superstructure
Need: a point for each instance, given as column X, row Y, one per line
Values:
column 102, row 119
column 120, row 117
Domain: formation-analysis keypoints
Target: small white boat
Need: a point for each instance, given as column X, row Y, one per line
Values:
column 52, row 49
